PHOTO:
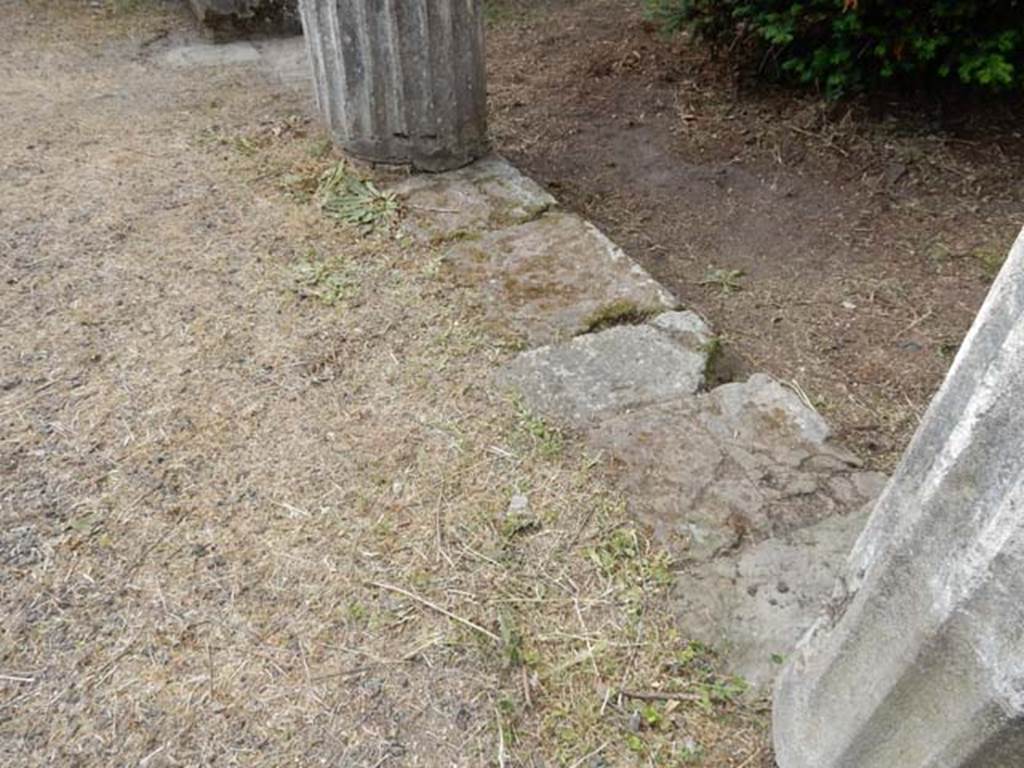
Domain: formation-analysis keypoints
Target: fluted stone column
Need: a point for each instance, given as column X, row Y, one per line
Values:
column 401, row 81
column 920, row 660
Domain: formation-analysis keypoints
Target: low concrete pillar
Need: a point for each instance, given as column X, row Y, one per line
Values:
column 401, row 81
column 919, row 662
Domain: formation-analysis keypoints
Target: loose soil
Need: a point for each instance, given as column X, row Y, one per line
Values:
column 866, row 233
column 260, row 504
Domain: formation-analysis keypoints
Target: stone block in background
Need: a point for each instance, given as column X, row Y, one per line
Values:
column 224, row 19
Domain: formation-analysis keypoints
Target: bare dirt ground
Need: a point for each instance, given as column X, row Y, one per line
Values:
column 844, row 248
column 253, row 474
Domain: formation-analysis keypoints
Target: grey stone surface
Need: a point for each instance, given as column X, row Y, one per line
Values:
column 211, row 55
column 287, row 61
column 919, row 660
column 401, row 82
column 282, row 59
column 755, row 604
column 553, row 278
column 743, row 463
column 687, row 327
column 580, row 381
column 489, row 194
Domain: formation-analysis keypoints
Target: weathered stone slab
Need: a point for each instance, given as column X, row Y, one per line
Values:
column 688, row 328
column 211, row 55
column 755, row 604
column 287, row 61
column 554, row 278
column 623, row 367
column 919, row 660
column 282, row 59
column 743, row 463
column 489, row 194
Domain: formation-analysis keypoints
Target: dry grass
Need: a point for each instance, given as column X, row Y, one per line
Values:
column 257, row 515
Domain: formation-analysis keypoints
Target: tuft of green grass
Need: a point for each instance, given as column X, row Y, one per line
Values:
column 546, row 439
column 330, row 281
column 713, row 348
column 726, row 280
column 618, row 312
column 626, row 557
column 517, row 524
column 948, row 350
column 356, row 201
column 320, row 148
column 991, row 261
column 247, row 146
column 512, row 652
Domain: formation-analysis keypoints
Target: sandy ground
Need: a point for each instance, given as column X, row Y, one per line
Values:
column 254, row 476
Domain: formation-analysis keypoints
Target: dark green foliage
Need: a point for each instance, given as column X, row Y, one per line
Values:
column 851, row 45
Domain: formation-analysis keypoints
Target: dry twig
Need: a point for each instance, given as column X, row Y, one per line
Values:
column 436, row 607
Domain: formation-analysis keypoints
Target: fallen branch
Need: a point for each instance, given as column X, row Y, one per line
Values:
column 589, row 755
column 661, row 695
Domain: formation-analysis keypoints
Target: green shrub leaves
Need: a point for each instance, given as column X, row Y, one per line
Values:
column 844, row 46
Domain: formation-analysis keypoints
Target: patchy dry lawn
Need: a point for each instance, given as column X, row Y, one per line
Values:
column 255, row 480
